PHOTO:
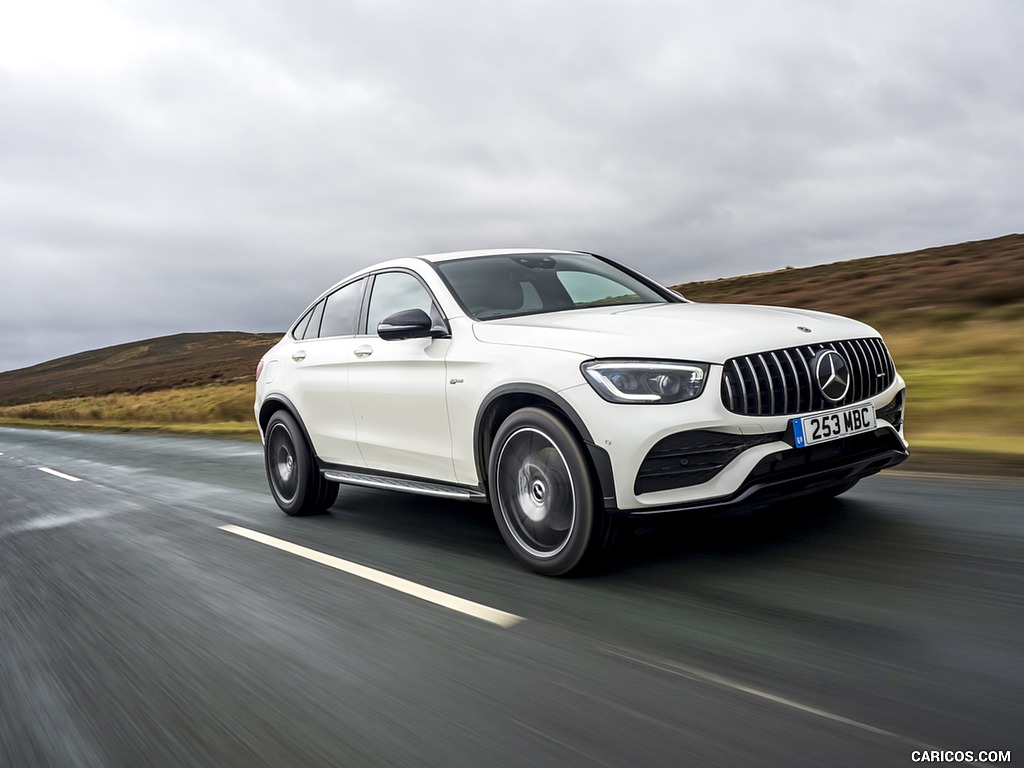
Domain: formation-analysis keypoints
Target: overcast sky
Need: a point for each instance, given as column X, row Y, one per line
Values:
column 188, row 165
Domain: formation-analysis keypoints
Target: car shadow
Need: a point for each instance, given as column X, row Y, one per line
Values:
column 643, row 546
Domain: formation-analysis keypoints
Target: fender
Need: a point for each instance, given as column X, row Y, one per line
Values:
column 287, row 405
column 598, row 456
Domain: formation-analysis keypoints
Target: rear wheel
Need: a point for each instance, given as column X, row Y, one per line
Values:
column 294, row 480
column 542, row 493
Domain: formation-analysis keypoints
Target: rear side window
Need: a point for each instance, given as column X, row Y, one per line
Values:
column 341, row 312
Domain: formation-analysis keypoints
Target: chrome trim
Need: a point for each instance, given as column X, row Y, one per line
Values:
column 783, row 382
column 402, row 484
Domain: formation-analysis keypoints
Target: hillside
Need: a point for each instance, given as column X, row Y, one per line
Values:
column 953, row 318
column 950, row 282
column 169, row 362
column 953, row 282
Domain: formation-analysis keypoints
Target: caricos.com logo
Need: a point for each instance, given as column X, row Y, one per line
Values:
column 960, row 756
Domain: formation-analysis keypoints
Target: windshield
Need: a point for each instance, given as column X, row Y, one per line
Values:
column 526, row 284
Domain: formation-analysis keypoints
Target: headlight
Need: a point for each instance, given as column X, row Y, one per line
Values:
column 645, row 381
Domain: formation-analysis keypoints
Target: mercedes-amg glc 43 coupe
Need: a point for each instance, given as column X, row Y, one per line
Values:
column 571, row 393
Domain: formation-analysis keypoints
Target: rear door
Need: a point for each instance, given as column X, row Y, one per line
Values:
column 320, row 366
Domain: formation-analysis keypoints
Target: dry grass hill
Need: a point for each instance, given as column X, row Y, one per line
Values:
column 168, row 362
column 952, row 282
column 952, row 316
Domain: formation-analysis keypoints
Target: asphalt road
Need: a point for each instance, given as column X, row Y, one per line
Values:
column 142, row 625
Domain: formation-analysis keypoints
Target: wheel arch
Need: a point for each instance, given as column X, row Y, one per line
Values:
column 274, row 403
column 507, row 399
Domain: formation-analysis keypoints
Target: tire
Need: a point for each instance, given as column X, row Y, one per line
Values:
column 542, row 493
column 291, row 472
column 328, row 495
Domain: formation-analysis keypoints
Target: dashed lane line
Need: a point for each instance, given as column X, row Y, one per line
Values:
column 430, row 595
column 61, row 475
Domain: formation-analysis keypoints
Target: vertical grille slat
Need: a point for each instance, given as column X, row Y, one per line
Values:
column 757, row 384
column 781, row 382
column 796, row 380
column 865, row 367
column 851, row 351
column 870, row 360
column 730, row 403
column 785, row 388
column 890, row 366
column 767, row 376
column 743, row 386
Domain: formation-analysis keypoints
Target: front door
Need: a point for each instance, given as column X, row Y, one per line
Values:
column 398, row 388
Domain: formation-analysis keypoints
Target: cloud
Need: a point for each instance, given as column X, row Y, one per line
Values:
column 185, row 166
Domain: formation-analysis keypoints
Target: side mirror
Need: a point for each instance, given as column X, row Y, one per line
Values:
column 406, row 324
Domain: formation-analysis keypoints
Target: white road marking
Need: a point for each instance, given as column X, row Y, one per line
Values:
column 693, row 673
column 467, row 607
column 61, row 475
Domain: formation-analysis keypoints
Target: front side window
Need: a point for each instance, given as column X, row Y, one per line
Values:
column 341, row 312
column 524, row 284
column 393, row 292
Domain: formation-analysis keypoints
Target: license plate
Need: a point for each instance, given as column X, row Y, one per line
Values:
column 831, row 426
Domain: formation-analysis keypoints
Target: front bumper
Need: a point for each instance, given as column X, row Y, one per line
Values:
column 738, row 459
column 799, row 472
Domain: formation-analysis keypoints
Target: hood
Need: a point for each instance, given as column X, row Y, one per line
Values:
column 710, row 333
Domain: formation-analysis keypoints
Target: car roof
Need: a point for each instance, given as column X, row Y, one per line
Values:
column 450, row 256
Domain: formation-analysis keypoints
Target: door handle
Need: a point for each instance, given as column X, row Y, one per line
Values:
column 299, row 356
column 364, row 351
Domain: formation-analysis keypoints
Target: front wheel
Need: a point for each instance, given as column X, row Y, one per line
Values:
column 542, row 493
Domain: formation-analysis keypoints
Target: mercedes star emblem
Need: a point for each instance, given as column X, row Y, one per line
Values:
column 832, row 375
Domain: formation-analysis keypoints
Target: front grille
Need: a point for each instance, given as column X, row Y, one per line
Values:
column 781, row 382
column 692, row 458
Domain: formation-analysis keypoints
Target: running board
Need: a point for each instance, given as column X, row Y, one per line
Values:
column 402, row 484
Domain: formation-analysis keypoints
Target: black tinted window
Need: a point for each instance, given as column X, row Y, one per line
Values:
column 342, row 311
column 522, row 284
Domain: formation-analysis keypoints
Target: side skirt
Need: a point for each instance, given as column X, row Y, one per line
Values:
column 404, row 484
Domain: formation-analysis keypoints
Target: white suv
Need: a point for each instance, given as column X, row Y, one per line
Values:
column 572, row 393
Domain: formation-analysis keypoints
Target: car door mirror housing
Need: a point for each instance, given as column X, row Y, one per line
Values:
column 408, row 324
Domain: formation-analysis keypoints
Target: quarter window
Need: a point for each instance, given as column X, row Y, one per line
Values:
column 313, row 329
column 302, row 325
